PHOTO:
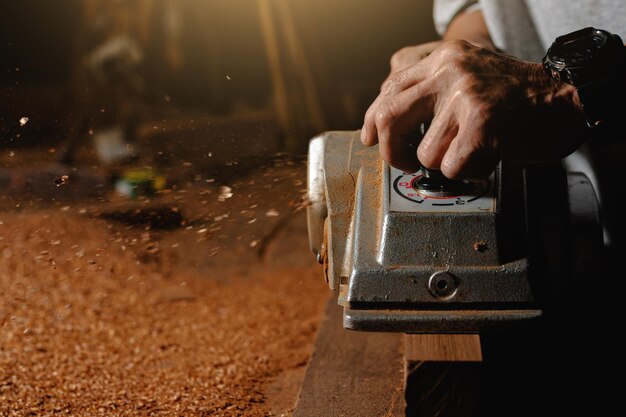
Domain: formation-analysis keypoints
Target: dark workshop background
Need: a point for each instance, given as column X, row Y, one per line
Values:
column 307, row 65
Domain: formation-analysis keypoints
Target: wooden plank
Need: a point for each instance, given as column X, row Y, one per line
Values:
column 442, row 389
column 443, row 347
column 442, row 372
column 352, row 373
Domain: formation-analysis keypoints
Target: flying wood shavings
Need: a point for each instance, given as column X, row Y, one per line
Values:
column 272, row 213
column 61, row 180
column 24, row 120
column 225, row 193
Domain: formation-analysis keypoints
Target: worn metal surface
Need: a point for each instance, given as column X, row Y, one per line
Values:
column 316, row 195
column 412, row 319
column 405, row 260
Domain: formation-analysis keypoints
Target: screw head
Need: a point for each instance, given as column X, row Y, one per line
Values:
column 442, row 284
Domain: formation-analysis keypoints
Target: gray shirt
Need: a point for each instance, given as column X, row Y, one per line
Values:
column 526, row 28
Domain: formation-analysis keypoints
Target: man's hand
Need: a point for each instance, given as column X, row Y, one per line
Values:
column 482, row 106
column 410, row 55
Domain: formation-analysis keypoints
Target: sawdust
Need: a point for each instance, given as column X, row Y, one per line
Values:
column 377, row 184
column 93, row 326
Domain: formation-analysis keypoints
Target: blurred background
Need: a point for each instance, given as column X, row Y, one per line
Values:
column 77, row 68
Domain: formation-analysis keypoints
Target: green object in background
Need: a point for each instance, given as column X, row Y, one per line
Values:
column 135, row 182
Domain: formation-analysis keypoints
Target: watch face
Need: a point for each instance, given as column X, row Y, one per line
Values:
column 579, row 49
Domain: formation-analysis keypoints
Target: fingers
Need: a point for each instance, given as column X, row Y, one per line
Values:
column 436, row 141
column 437, row 88
column 393, row 124
column 401, row 80
column 420, row 82
column 469, row 155
column 406, row 100
column 402, row 152
column 456, row 143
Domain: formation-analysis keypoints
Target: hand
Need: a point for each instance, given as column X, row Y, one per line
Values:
column 410, row 55
column 483, row 106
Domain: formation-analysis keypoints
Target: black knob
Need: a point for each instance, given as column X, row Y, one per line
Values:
column 434, row 181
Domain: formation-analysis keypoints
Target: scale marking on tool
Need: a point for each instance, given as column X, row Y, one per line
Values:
column 405, row 197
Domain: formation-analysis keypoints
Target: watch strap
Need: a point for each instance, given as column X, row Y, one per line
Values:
column 603, row 105
column 599, row 100
column 603, row 100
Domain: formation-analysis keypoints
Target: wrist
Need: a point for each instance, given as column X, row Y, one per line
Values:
column 569, row 95
column 553, row 91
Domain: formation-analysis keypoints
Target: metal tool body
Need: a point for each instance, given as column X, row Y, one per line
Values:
column 409, row 259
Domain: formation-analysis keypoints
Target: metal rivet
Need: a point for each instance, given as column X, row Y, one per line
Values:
column 442, row 284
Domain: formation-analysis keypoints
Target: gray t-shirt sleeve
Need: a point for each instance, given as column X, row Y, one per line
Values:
column 512, row 28
column 508, row 21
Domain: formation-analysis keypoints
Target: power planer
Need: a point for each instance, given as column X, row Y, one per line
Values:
column 418, row 253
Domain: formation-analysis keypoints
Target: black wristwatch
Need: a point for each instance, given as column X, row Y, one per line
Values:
column 593, row 61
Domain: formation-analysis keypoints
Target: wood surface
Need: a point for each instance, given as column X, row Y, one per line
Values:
column 442, row 347
column 352, row 373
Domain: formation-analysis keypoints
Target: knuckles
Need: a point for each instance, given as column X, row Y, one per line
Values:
column 393, row 83
column 454, row 55
column 410, row 55
column 455, row 48
column 401, row 59
column 385, row 115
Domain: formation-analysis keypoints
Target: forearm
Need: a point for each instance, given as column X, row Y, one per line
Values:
column 470, row 27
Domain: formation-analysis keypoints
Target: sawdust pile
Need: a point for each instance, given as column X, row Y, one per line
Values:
column 90, row 326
